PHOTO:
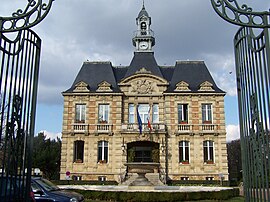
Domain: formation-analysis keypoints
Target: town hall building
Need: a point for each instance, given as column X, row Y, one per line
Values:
column 169, row 115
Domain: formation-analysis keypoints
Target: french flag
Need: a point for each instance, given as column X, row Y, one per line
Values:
column 148, row 121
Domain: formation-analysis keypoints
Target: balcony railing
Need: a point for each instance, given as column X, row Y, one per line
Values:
column 208, row 127
column 183, row 128
column 87, row 128
column 195, row 128
column 103, row 128
column 134, row 127
column 80, row 128
column 143, row 33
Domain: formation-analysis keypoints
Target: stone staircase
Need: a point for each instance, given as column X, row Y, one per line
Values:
column 152, row 177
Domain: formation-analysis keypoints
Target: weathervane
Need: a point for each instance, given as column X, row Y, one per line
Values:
column 35, row 12
column 243, row 15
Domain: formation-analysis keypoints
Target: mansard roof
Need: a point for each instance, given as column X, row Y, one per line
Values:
column 94, row 73
column 194, row 73
column 143, row 60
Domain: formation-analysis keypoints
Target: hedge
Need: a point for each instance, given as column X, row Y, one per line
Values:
column 197, row 182
column 81, row 182
column 158, row 196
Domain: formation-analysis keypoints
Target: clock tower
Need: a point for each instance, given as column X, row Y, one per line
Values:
column 144, row 37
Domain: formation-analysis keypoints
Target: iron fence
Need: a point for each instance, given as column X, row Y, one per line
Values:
column 19, row 61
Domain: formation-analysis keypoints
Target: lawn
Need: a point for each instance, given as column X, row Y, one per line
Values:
column 236, row 199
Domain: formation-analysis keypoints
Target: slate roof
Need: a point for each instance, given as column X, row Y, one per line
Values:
column 143, row 12
column 94, row 73
column 192, row 72
column 143, row 60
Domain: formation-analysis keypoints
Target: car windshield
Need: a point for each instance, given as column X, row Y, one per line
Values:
column 47, row 185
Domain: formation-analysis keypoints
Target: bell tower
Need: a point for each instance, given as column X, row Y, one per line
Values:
column 143, row 38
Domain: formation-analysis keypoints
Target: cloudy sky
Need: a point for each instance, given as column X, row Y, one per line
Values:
column 80, row 30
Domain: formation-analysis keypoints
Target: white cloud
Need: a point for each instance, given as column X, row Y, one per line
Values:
column 233, row 132
column 51, row 135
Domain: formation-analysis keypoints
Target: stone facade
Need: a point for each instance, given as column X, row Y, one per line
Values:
column 101, row 132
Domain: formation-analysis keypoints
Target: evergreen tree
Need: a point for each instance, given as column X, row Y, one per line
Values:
column 46, row 156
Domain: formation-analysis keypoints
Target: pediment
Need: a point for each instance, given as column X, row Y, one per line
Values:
column 81, row 87
column 182, row 86
column 104, row 86
column 206, row 86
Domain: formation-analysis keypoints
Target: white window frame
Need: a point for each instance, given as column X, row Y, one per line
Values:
column 185, row 144
column 131, row 113
column 155, row 114
column 208, row 150
column 103, row 150
column 181, row 105
column 102, row 110
column 208, row 107
column 81, row 109
column 144, row 114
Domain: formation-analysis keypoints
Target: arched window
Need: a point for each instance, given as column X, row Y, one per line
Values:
column 184, row 152
column 103, row 151
column 78, row 151
column 208, row 151
column 143, row 26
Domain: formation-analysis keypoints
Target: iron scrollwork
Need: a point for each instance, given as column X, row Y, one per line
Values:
column 35, row 12
column 15, row 135
column 243, row 15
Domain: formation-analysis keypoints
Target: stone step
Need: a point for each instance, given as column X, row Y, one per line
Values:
column 152, row 177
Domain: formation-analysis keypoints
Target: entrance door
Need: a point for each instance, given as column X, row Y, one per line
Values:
column 143, row 152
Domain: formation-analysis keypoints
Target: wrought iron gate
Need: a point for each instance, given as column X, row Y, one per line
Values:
column 252, row 57
column 19, row 62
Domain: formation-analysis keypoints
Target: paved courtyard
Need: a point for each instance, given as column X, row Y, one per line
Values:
column 145, row 188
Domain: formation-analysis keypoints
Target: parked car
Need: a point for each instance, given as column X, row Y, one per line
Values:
column 12, row 189
column 46, row 191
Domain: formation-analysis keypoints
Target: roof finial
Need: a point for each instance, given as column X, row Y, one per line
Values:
column 143, row 5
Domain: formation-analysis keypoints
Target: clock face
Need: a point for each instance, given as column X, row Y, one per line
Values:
column 143, row 45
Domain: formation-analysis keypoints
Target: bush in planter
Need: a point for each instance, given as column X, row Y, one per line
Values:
column 131, row 155
column 155, row 155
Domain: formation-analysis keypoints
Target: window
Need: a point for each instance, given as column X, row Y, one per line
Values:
column 207, row 113
column 131, row 115
column 208, row 151
column 102, row 151
column 101, row 178
column 155, row 116
column 80, row 113
column 184, row 152
column 209, row 178
column 183, row 113
column 144, row 112
column 78, row 151
column 103, row 113
column 143, row 25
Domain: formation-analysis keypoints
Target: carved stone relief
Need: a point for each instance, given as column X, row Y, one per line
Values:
column 143, row 86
